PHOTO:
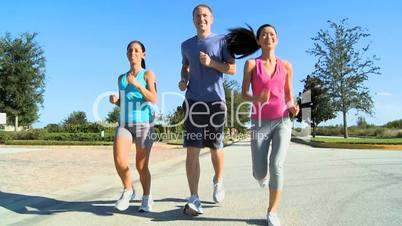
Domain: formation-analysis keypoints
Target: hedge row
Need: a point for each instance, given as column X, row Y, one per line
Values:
column 41, row 135
column 380, row 132
column 54, row 142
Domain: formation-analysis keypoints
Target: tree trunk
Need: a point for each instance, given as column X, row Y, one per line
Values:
column 314, row 131
column 16, row 123
column 345, row 126
column 314, row 127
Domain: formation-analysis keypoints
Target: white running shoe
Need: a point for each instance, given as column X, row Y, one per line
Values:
column 124, row 201
column 193, row 207
column 146, row 204
column 273, row 220
column 264, row 182
column 219, row 192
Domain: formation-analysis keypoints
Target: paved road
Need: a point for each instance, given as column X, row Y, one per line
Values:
column 323, row 187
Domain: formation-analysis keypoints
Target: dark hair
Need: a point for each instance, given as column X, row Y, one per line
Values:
column 262, row 27
column 143, row 50
column 243, row 42
column 202, row 5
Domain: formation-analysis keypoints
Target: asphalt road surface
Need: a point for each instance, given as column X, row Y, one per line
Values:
column 322, row 187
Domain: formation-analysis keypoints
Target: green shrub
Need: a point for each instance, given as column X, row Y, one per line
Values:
column 52, row 142
column 32, row 134
column 329, row 131
column 5, row 136
column 95, row 127
column 53, row 128
column 75, row 128
column 78, row 137
column 83, row 128
column 109, row 130
column 396, row 124
column 360, row 132
column 385, row 132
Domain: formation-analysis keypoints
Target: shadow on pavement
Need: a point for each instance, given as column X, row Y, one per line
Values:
column 182, row 200
column 176, row 214
column 39, row 205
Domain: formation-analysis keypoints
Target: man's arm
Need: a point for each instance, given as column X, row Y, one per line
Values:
column 185, row 69
column 228, row 67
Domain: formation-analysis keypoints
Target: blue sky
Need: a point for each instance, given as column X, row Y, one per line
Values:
column 85, row 44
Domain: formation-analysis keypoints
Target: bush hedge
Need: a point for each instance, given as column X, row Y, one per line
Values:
column 354, row 131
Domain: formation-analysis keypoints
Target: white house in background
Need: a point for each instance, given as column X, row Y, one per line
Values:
column 3, row 120
column 3, row 126
column 3, row 117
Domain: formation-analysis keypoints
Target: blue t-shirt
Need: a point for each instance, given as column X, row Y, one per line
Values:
column 205, row 83
column 133, row 105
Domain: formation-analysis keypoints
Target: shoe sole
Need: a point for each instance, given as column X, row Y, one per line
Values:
column 123, row 209
column 191, row 211
column 131, row 199
column 143, row 210
column 216, row 199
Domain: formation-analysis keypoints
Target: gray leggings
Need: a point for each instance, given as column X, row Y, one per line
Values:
column 140, row 133
column 262, row 133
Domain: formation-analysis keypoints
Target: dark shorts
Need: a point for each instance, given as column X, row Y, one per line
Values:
column 204, row 124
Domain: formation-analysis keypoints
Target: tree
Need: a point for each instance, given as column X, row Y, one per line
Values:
column 396, row 124
column 320, row 104
column 22, row 78
column 176, row 119
column 361, row 122
column 76, row 118
column 77, row 122
column 113, row 116
column 234, row 120
column 343, row 68
column 53, row 128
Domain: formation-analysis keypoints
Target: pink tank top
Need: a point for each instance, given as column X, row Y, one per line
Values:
column 276, row 107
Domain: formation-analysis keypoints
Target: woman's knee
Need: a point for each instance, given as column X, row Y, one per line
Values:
column 142, row 168
column 276, row 168
column 121, row 165
column 259, row 173
column 259, row 176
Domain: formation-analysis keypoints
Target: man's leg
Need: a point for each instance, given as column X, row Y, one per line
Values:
column 214, row 140
column 193, row 169
column 193, row 206
column 193, row 141
column 217, row 157
column 218, row 160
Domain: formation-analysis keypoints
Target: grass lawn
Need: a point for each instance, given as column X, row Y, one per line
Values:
column 175, row 142
column 355, row 140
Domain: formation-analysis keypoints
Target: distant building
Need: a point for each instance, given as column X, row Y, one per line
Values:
column 3, row 118
column 4, row 127
column 11, row 128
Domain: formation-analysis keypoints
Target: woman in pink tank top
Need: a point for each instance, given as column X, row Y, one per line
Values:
column 271, row 81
